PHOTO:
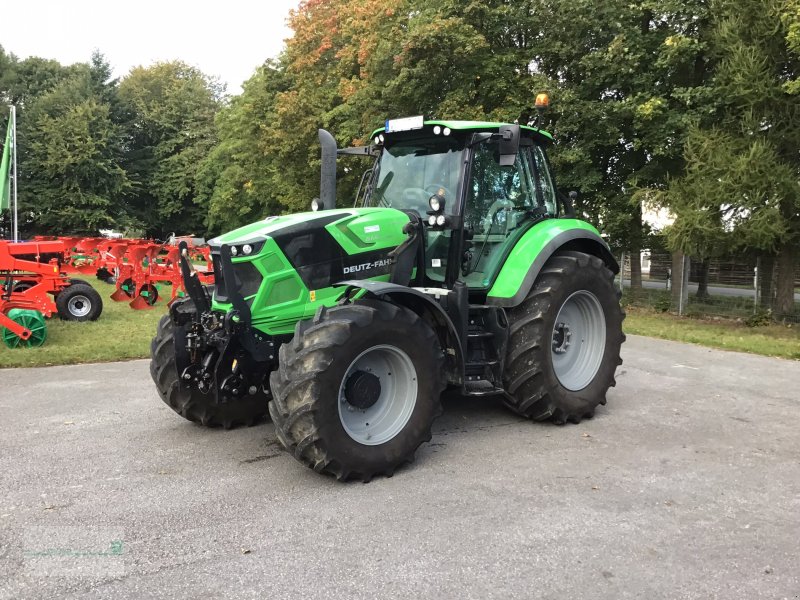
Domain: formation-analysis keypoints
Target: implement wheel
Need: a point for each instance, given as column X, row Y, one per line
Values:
column 79, row 302
column 564, row 341
column 128, row 287
column 358, row 389
column 188, row 401
column 30, row 319
column 150, row 293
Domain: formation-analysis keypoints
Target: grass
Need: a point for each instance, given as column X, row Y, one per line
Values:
column 729, row 307
column 120, row 333
column 772, row 340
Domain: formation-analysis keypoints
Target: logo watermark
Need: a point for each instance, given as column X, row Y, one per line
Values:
column 74, row 551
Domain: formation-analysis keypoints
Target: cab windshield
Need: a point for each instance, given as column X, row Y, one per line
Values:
column 410, row 172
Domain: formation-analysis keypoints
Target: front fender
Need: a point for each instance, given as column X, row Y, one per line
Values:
column 429, row 310
column 522, row 267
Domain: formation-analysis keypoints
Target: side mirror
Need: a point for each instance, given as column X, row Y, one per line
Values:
column 569, row 204
column 509, row 144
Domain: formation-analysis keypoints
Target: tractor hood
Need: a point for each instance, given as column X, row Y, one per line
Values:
column 356, row 229
column 286, row 267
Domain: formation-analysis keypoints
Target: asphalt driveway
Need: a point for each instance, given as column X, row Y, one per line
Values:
column 687, row 485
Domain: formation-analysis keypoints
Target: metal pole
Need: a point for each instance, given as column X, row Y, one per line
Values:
column 684, row 297
column 756, row 285
column 622, row 272
column 14, row 181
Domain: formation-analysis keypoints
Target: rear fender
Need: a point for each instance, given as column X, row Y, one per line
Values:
column 518, row 274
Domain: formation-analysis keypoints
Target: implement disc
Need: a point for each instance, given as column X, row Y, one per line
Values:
column 30, row 319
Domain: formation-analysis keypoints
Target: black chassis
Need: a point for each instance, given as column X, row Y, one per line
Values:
column 220, row 352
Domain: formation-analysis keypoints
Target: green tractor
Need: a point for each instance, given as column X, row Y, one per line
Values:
column 459, row 266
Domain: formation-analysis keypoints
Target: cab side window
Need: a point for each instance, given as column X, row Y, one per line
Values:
column 543, row 180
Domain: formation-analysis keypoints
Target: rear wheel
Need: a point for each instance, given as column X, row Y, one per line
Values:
column 358, row 389
column 564, row 341
column 188, row 401
column 79, row 302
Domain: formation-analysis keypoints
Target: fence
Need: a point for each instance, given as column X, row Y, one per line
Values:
column 733, row 289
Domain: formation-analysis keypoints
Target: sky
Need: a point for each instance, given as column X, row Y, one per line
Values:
column 227, row 39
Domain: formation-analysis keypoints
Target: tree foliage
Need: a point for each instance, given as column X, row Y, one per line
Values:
column 169, row 109
column 692, row 104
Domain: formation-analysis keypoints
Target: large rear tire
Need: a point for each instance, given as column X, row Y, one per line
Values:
column 564, row 341
column 189, row 402
column 358, row 389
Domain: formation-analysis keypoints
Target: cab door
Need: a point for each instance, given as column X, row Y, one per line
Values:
column 499, row 207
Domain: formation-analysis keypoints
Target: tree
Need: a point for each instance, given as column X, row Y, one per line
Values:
column 169, row 110
column 71, row 179
column 740, row 190
column 629, row 78
column 235, row 180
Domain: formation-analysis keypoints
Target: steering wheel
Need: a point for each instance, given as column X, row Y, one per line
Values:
column 420, row 196
column 416, row 198
column 450, row 196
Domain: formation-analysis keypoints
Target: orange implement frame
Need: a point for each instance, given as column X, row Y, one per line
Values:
column 30, row 278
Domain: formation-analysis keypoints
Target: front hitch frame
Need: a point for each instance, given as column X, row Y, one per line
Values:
column 191, row 281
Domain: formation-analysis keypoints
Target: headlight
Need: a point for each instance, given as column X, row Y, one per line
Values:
column 434, row 203
column 315, row 205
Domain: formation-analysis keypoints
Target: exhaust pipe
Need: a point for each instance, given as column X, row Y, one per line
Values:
column 327, row 181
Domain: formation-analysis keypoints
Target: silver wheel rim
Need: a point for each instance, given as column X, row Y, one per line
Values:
column 79, row 306
column 390, row 413
column 579, row 340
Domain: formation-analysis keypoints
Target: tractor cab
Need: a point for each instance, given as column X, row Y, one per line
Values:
column 476, row 186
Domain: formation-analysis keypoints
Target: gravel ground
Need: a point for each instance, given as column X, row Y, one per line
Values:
column 687, row 485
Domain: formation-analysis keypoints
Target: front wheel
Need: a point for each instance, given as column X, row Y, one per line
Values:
column 564, row 341
column 358, row 389
column 187, row 400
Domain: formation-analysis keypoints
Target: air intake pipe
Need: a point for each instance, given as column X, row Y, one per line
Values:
column 327, row 181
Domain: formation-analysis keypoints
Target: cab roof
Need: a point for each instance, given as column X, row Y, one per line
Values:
column 489, row 126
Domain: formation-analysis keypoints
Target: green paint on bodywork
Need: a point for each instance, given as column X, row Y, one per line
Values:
column 473, row 125
column 514, row 270
column 282, row 298
column 369, row 228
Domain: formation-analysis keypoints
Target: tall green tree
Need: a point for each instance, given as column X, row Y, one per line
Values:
column 236, row 179
column 170, row 110
column 71, row 179
column 741, row 188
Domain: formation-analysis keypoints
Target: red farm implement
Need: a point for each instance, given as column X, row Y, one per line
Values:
column 33, row 286
column 147, row 264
